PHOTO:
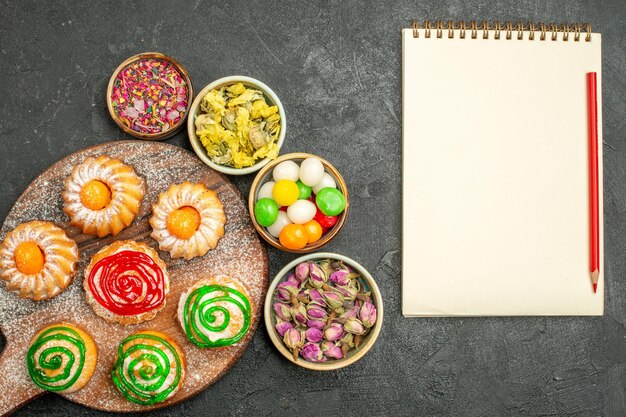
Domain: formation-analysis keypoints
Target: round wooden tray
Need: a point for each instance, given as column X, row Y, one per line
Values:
column 239, row 254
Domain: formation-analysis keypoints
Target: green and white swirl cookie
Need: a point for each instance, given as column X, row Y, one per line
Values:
column 215, row 312
column 61, row 358
column 149, row 367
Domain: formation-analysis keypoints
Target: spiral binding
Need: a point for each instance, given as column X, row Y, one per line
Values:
column 500, row 30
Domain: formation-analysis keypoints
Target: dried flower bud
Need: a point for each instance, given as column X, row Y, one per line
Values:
column 312, row 353
column 340, row 277
column 334, row 332
column 285, row 290
column 317, row 277
column 299, row 315
column 302, row 271
column 326, row 266
column 314, row 335
column 348, row 340
column 315, row 323
column 282, row 327
column 349, row 292
column 331, row 350
column 333, row 299
column 315, row 311
column 367, row 314
column 316, row 295
column 292, row 279
column 354, row 326
column 293, row 339
column 283, row 311
column 349, row 314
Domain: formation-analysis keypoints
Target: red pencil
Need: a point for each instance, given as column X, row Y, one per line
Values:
column 594, row 226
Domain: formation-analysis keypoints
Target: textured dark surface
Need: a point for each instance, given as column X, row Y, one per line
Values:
column 337, row 67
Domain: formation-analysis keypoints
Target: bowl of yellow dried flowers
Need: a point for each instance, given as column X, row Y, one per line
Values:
column 236, row 125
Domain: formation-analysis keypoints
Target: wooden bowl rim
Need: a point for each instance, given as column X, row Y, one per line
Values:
column 331, row 365
column 197, row 146
column 328, row 167
column 150, row 136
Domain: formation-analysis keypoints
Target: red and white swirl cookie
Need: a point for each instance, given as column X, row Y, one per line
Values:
column 126, row 282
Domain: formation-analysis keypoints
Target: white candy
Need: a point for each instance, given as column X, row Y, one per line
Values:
column 266, row 190
column 286, row 170
column 281, row 221
column 326, row 182
column 301, row 211
column 311, row 171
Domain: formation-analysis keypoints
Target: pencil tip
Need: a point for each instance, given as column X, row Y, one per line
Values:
column 595, row 287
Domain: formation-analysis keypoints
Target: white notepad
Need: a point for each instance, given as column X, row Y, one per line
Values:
column 495, row 175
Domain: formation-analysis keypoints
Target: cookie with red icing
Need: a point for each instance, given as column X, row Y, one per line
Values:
column 127, row 282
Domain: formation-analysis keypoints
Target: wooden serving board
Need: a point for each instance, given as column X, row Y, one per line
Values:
column 239, row 254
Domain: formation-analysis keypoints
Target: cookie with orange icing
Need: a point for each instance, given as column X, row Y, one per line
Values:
column 103, row 195
column 187, row 220
column 37, row 260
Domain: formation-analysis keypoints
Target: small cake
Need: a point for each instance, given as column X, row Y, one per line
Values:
column 126, row 282
column 215, row 312
column 61, row 358
column 187, row 220
column 37, row 260
column 149, row 367
column 102, row 196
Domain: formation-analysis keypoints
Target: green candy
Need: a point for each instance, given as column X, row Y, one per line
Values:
column 330, row 201
column 303, row 190
column 266, row 212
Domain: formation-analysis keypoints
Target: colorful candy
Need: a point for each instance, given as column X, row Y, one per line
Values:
column 326, row 182
column 150, row 96
column 311, row 171
column 307, row 203
column 330, row 201
column 266, row 211
column 281, row 221
column 285, row 192
column 286, row 170
column 293, row 236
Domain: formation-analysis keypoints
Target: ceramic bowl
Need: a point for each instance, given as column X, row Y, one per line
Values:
column 150, row 136
column 265, row 175
column 270, row 97
column 353, row 355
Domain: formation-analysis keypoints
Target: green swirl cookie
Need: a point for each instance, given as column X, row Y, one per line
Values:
column 149, row 368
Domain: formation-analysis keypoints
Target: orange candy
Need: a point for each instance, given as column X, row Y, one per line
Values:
column 183, row 222
column 95, row 195
column 313, row 231
column 293, row 236
column 29, row 258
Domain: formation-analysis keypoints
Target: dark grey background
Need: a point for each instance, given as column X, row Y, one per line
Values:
column 336, row 65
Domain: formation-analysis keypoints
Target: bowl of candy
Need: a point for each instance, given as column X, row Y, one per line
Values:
column 298, row 202
column 236, row 125
column 323, row 311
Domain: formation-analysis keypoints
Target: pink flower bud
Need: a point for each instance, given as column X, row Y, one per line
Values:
column 302, row 271
column 314, row 335
column 293, row 339
column 317, row 277
column 314, row 311
column 367, row 314
column 312, row 353
column 331, row 350
column 333, row 299
column 317, row 295
column 340, row 277
column 282, row 327
column 334, row 332
column 318, row 324
column 283, row 311
column 354, row 326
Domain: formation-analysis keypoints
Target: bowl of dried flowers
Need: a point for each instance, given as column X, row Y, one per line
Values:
column 236, row 125
column 323, row 311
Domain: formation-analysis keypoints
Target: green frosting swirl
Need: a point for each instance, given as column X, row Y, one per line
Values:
column 200, row 315
column 51, row 364
column 148, row 369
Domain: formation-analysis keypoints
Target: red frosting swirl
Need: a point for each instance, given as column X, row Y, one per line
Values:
column 127, row 283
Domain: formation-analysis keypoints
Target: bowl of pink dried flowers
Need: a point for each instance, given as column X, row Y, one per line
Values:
column 323, row 311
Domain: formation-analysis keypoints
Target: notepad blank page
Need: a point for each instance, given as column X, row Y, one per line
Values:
column 495, row 176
